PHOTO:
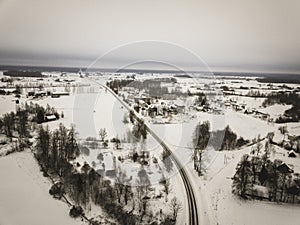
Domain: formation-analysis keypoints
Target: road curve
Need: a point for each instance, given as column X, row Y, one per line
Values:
column 192, row 203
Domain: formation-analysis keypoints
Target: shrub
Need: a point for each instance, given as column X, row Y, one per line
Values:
column 76, row 211
column 57, row 190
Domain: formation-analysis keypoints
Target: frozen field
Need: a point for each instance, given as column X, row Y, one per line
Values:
column 24, row 197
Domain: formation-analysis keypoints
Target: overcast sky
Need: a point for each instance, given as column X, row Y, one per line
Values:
column 231, row 35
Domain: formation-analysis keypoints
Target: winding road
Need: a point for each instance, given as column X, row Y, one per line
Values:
column 192, row 203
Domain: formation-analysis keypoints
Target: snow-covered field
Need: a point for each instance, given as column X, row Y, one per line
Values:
column 218, row 205
column 24, row 197
column 7, row 104
column 225, row 208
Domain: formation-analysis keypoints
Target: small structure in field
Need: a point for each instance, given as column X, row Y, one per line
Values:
column 58, row 94
column 292, row 154
column 283, row 168
column 30, row 93
column 50, row 118
column 260, row 192
column 40, row 94
column 109, row 164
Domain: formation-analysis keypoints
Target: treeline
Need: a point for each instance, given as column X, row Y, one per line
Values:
column 257, row 177
column 116, row 84
column 152, row 86
column 139, row 84
column 227, row 140
column 15, row 124
column 284, row 78
column 16, row 73
column 220, row 140
column 287, row 98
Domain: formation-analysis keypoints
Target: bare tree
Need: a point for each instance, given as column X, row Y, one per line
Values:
column 167, row 186
column 176, row 207
column 283, row 130
column 167, row 160
column 242, row 179
column 102, row 134
column 258, row 147
column 269, row 148
column 125, row 118
column 200, row 141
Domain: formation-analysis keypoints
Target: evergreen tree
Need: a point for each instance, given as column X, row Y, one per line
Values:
column 22, row 123
column 229, row 140
column 40, row 114
column 9, row 124
column 167, row 160
column 43, row 147
column 242, row 183
column 200, row 141
column 102, row 134
column 72, row 150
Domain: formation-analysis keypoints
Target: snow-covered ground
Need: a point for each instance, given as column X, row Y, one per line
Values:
column 24, row 197
column 7, row 104
column 225, row 208
column 217, row 204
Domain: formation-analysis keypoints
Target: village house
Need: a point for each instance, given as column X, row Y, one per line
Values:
column 57, row 94
column 50, row 118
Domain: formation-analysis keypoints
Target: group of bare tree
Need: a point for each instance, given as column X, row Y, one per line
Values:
column 281, row 183
column 21, row 122
column 203, row 137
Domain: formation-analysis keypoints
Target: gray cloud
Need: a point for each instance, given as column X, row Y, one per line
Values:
column 249, row 34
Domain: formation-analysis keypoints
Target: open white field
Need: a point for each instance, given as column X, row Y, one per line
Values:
column 24, row 197
column 225, row 208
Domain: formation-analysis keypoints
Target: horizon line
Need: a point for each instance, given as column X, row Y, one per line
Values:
column 145, row 70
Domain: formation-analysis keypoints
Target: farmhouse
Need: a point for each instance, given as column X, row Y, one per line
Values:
column 283, row 168
column 50, row 118
column 292, row 154
column 40, row 94
column 110, row 164
column 58, row 94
